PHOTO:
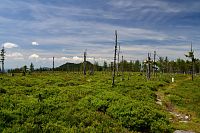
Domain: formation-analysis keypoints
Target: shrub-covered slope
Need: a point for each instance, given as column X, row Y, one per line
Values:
column 68, row 102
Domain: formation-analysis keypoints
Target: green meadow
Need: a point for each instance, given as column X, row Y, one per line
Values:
column 70, row 102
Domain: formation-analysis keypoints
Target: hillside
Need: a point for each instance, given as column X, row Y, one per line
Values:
column 77, row 67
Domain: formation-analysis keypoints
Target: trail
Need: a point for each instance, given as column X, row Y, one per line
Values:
column 169, row 106
column 176, row 115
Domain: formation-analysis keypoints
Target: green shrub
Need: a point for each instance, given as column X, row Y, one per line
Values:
column 3, row 91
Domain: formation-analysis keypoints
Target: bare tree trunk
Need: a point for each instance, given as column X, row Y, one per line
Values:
column 118, row 61
column 148, row 67
column 84, row 63
column 114, row 67
column 53, row 65
column 122, row 68
column 154, row 64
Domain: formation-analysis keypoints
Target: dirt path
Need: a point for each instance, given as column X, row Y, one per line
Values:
column 176, row 115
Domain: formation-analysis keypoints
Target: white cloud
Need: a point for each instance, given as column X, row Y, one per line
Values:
column 34, row 56
column 10, row 45
column 61, row 59
column 146, row 5
column 15, row 55
column 76, row 58
column 35, row 43
column 56, row 27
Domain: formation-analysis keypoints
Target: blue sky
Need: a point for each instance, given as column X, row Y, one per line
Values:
column 36, row 30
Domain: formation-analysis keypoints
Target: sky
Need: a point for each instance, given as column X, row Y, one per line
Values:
column 36, row 30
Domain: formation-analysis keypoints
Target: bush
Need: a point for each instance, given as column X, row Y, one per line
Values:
column 138, row 116
column 2, row 90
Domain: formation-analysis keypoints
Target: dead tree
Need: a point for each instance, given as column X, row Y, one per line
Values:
column 84, row 63
column 2, row 59
column 53, row 65
column 148, row 71
column 92, row 67
column 118, row 60
column 114, row 67
column 122, row 68
column 191, row 56
column 154, row 64
column 149, row 67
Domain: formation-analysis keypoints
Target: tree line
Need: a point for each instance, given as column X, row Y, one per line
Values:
column 163, row 65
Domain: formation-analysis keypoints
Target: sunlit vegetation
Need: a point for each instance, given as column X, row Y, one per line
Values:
column 45, row 102
column 70, row 102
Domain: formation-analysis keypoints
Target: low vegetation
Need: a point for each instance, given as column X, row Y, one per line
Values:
column 70, row 102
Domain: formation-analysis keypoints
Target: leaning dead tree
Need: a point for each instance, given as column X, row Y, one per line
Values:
column 114, row 67
column 2, row 54
column 191, row 56
column 84, row 63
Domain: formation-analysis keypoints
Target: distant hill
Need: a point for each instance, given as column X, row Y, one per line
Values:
column 74, row 67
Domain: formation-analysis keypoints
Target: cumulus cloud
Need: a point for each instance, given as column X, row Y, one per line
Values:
column 60, row 59
column 35, row 43
column 34, row 56
column 10, row 45
column 76, row 58
column 15, row 55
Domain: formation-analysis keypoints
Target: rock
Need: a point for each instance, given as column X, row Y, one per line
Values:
column 187, row 117
column 159, row 102
column 158, row 99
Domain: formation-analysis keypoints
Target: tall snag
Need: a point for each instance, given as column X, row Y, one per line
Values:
column 122, row 68
column 84, row 63
column 154, row 64
column 118, row 60
column 114, row 67
column 53, row 65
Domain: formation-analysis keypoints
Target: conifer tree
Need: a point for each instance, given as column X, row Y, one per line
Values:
column 31, row 67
